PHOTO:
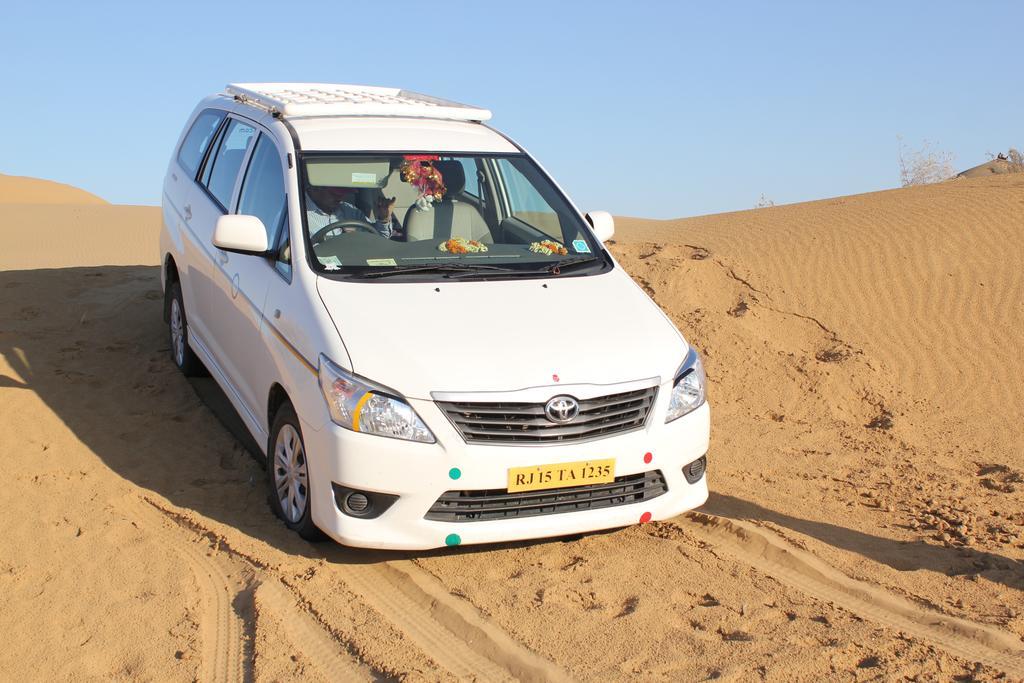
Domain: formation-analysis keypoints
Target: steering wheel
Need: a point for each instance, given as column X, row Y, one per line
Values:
column 343, row 226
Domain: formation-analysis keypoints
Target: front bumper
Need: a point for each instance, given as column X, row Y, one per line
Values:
column 420, row 473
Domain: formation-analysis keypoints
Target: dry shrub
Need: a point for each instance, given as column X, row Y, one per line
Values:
column 1015, row 160
column 763, row 202
column 925, row 165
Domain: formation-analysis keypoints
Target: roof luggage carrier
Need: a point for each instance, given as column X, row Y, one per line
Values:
column 332, row 99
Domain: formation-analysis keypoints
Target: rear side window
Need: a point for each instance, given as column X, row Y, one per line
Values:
column 228, row 160
column 263, row 188
column 190, row 155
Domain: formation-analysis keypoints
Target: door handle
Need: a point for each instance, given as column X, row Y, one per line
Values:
column 188, row 212
column 222, row 256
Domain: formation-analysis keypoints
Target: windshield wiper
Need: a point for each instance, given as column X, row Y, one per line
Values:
column 548, row 269
column 448, row 268
column 559, row 267
column 462, row 270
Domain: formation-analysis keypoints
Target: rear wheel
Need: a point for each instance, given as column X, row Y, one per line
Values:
column 181, row 352
column 288, row 475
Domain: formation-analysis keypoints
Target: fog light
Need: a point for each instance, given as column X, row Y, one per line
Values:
column 695, row 470
column 357, row 503
column 362, row 504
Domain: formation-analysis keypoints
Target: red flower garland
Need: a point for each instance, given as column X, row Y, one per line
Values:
column 419, row 171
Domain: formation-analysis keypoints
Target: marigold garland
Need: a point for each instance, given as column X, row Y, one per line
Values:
column 460, row 245
column 548, row 247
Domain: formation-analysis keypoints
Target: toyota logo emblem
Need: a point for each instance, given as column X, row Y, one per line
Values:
column 562, row 409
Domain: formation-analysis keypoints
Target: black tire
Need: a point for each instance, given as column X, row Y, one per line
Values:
column 181, row 353
column 278, row 465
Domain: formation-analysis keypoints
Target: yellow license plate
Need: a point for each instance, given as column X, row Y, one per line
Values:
column 563, row 474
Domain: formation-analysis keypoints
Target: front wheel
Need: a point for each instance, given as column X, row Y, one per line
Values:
column 181, row 352
column 288, row 475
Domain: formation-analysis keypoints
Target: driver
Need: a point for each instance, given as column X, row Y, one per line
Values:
column 326, row 205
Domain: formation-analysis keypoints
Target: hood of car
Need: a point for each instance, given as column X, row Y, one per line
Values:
column 502, row 335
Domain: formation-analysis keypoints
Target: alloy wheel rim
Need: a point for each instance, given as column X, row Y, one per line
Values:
column 177, row 333
column 290, row 475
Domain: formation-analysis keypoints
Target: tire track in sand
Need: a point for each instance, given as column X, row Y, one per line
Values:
column 309, row 636
column 220, row 627
column 320, row 646
column 802, row 570
column 448, row 629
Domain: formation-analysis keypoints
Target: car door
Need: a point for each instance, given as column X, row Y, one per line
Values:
column 213, row 281
column 245, row 278
column 179, row 188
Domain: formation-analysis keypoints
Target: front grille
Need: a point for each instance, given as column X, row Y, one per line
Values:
column 526, row 423
column 491, row 504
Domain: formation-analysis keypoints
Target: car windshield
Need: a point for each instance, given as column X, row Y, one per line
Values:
column 377, row 216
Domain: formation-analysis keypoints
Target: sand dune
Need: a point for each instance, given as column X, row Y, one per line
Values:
column 995, row 166
column 926, row 281
column 867, row 508
column 69, row 235
column 22, row 190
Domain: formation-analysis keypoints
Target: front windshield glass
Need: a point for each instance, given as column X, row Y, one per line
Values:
column 440, row 215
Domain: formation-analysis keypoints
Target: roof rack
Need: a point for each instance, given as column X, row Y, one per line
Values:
column 332, row 99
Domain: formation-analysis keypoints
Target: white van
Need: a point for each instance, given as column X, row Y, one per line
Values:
column 428, row 339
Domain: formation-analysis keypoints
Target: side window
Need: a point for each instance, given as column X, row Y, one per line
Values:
column 472, row 181
column 283, row 261
column 262, row 192
column 228, row 160
column 192, row 149
column 526, row 203
column 204, row 173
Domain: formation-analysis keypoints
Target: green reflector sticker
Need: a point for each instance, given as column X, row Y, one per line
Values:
column 455, row 473
column 452, row 539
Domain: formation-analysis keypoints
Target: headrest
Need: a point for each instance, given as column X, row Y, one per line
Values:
column 453, row 174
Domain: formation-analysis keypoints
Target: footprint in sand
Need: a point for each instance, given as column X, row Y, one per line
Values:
column 832, row 355
column 628, row 607
column 740, row 309
column 882, row 421
column 1000, row 478
column 654, row 251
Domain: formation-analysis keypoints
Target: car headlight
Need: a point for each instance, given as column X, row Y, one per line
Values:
column 688, row 391
column 362, row 407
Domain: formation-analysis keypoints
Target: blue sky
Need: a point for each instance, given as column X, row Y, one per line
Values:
column 657, row 109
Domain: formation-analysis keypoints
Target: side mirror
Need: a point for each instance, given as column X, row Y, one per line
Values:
column 602, row 223
column 241, row 234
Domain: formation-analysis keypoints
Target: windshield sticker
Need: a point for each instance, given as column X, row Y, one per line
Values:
column 581, row 246
column 364, row 178
column 548, row 247
column 381, row 262
column 460, row 245
column 329, row 262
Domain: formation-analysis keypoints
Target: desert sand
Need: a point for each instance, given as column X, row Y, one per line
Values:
column 866, row 520
column 21, row 190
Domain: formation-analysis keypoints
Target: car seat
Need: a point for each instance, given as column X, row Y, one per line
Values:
column 450, row 217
